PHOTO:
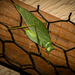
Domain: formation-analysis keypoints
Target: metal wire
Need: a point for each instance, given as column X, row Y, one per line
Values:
column 20, row 68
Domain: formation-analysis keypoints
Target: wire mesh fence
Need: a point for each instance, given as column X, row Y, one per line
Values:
column 20, row 67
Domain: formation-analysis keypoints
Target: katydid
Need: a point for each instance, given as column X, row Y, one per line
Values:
column 37, row 31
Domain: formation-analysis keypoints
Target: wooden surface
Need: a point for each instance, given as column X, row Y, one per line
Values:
column 62, row 34
column 58, row 8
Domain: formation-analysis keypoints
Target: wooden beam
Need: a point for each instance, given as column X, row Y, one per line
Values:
column 62, row 34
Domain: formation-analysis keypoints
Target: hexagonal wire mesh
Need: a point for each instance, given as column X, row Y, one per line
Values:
column 21, row 69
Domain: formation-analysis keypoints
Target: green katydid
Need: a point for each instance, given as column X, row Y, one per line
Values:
column 37, row 31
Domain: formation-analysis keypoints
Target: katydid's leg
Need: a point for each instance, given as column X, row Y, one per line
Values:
column 19, row 27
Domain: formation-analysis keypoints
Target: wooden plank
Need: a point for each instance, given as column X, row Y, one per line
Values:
column 58, row 8
column 62, row 34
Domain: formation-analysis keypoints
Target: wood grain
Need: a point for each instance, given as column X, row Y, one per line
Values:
column 58, row 8
column 62, row 34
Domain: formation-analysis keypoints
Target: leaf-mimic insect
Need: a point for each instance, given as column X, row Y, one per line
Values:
column 37, row 31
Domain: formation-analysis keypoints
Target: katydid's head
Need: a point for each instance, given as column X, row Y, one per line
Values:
column 48, row 47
